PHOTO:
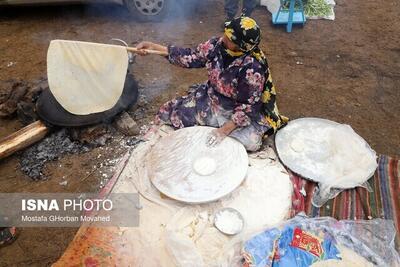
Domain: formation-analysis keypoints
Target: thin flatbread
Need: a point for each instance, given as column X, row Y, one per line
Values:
column 326, row 152
column 172, row 166
column 84, row 77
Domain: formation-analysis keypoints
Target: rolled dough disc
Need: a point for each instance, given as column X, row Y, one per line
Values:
column 182, row 166
column 204, row 166
column 86, row 78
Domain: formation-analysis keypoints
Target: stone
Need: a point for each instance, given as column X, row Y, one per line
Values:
column 93, row 136
column 26, row 113
column 126, row 125
column 9, row 104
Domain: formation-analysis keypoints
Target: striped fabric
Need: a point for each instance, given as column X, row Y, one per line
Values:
column 358, row 203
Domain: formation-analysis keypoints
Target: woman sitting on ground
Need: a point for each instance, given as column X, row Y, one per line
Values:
column 238, row 98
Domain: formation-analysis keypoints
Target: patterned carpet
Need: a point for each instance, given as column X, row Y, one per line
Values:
column 357, row 204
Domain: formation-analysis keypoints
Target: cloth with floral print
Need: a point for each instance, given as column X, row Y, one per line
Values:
column 246, row 34
column 234, row 91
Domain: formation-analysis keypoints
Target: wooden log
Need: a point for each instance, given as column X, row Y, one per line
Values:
column 23, row 138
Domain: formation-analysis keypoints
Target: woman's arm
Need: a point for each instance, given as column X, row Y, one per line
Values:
column 183, row 57
column 227, row 128
column 151, row 46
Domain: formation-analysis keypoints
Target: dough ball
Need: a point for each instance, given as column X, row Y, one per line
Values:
column 204, row 166
column 297, row 145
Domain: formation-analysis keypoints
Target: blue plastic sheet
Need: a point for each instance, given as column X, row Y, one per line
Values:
column 293, row 246
column 303, row 241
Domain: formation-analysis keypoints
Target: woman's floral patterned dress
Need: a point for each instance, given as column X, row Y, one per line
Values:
column 240, row 91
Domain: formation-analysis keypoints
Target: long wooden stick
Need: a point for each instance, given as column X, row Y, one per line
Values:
column 23, row 138
column 149, row 51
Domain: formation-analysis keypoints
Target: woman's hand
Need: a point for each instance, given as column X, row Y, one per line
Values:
column 150, row 46
column 215, row 137
column 218, row 135
column 144, row 45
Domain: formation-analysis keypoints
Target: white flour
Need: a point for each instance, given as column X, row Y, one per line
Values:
column 349, row 259
column 264, row 198
column 228, row 222
column 177, row 234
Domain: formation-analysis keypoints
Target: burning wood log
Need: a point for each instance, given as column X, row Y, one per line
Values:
column 22, row 138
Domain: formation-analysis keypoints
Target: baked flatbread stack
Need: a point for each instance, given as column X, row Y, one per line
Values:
column 326, row 152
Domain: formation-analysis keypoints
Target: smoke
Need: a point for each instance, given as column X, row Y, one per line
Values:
column 174, row 10
column 180, row 27
column 184, row 25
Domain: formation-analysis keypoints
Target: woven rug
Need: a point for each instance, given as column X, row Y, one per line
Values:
column 357, row 204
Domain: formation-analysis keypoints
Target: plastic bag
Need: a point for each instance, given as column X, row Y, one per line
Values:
column 373, row 240
column 272, row 5
column 331, row 16
column 322, row 193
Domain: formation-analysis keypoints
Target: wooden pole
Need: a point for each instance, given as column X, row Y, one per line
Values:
column 148, row 51
column 23, row 138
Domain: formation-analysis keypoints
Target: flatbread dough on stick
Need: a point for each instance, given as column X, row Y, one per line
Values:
column 84, row 77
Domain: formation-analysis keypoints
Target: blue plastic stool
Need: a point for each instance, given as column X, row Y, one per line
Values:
column 289, row 16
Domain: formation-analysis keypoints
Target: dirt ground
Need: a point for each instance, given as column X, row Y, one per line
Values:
column 347, row 70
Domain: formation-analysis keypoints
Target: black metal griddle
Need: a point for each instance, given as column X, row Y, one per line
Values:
column 52, row 113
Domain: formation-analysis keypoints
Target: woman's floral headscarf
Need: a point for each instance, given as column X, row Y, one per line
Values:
column 245, row 33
